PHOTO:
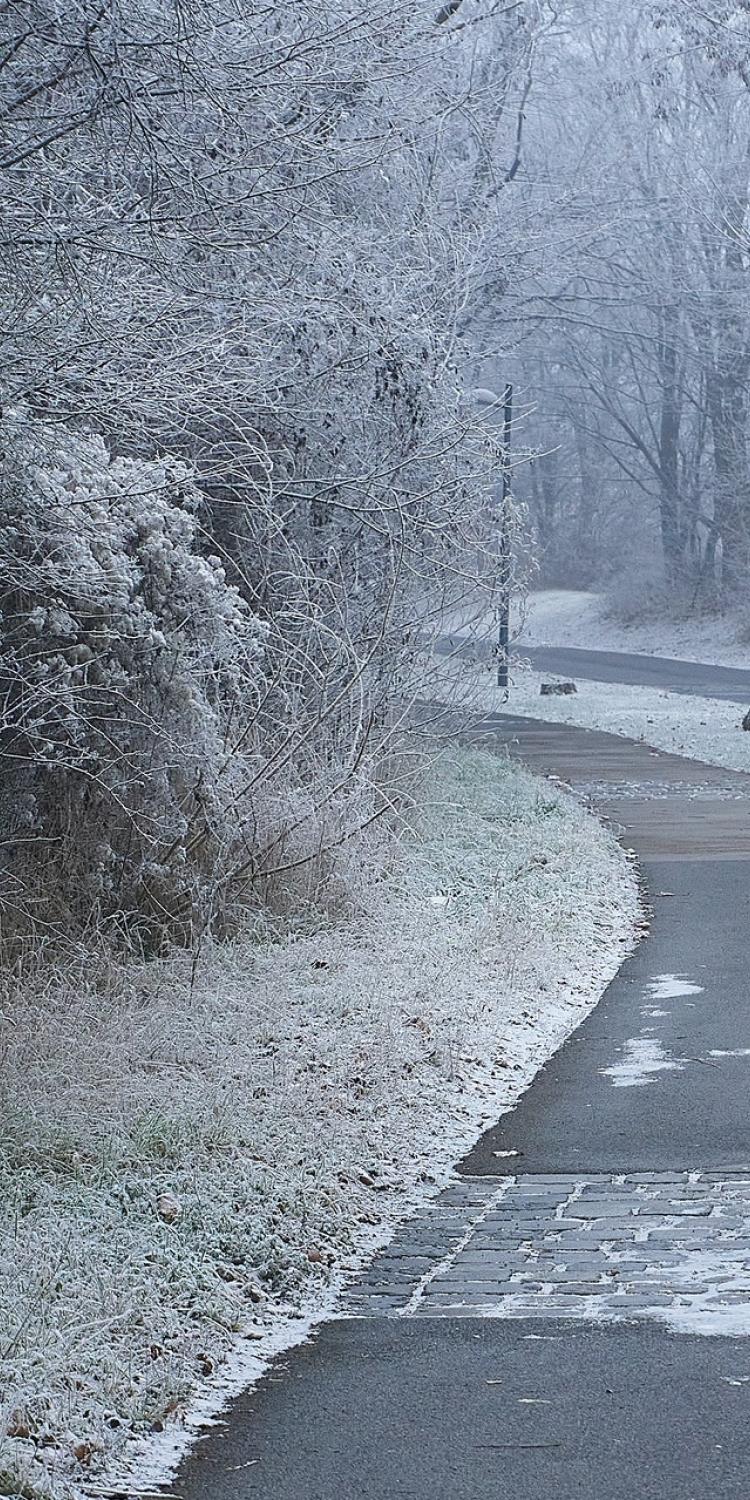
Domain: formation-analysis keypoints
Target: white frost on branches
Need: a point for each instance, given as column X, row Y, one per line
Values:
column 123, row 654
column 240, row 248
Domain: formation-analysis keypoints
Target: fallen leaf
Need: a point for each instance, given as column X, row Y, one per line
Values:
column 168, row 1207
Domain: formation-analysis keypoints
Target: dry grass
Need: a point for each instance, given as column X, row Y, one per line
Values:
column 184, row 1151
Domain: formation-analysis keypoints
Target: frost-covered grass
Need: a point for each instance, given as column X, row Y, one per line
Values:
column 705, row 729
column 188, row 1154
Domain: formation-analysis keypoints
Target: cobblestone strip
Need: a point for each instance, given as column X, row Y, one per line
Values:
column 393, row 1282
column 617, row 1247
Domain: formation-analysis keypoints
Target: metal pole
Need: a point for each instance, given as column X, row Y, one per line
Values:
column 503, row 629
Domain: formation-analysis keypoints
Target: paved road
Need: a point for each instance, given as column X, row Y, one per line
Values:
column 730, row 683
column 695, row 1111
column 534, row 1331
column 698, row 678
column 439, row 1410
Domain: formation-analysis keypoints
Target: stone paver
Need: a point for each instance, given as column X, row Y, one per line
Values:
column 617, row 1247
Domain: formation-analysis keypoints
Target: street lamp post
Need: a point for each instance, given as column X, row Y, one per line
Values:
column 494, row 404
column 503, row 630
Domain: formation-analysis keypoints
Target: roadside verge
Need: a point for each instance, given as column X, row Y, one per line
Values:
column 189, row 1171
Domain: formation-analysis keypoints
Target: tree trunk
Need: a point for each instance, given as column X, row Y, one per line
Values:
column 732, row 494
column 670, row 518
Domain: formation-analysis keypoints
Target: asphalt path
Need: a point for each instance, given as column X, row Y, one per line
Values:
column 701, row 679
column 697, row 1111
column 400, row 1406
column 448, row 1409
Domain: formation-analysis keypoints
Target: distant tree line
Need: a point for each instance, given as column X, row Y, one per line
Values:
column 633, row 329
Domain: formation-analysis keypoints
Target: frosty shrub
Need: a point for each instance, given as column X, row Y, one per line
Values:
column 125, row 658
column 250, row 243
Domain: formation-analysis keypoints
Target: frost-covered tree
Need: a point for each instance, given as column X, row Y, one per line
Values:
column 636, row 144
column 125, row 659
column 239, row 243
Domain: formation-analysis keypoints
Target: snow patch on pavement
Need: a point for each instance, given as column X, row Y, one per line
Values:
column 672, row 987
column 705, row 1282
column 643, row 1057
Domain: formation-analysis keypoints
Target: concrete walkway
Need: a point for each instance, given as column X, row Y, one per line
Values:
column 569, row 1319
